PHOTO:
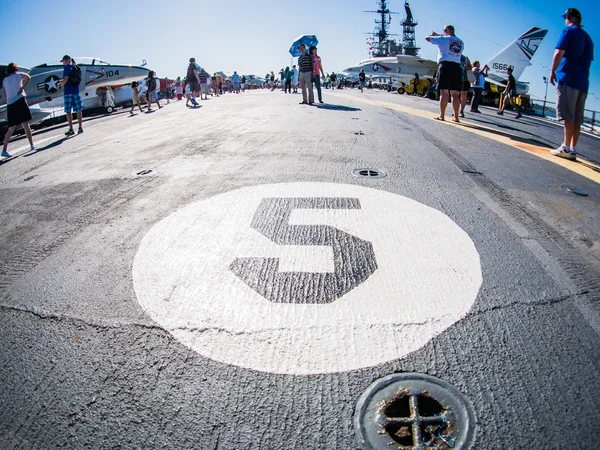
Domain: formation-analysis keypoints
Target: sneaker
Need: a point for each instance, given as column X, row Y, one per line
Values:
column 518, row 116
column 70, row 132
column 564, row 152
column 80, row 131
column 461, row 114
column 32, row 148
column 5, row 154
column 500, row 113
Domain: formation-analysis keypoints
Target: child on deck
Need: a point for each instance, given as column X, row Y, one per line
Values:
column 135, row 91
column 188, row 94
column 178, row 89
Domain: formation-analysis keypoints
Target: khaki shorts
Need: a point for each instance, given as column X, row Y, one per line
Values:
column 570, row 104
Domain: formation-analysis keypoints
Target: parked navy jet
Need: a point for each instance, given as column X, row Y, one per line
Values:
column 94, row 73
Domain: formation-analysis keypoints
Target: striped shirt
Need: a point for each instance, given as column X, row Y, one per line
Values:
column 204, row 76
column 305, row 63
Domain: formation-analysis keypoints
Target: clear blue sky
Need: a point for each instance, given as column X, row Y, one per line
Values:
column 254, row 36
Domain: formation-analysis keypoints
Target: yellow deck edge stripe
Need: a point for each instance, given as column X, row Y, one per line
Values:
column 581, row 166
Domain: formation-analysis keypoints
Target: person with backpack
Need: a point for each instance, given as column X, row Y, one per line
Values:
column 151, row 91
column 72, row 100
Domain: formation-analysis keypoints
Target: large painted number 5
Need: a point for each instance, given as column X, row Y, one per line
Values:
column 354, row 260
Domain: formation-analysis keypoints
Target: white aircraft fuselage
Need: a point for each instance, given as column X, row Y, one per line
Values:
column 401, row 66
column 97, row 73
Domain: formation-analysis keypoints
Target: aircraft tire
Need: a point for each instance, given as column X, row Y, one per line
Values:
column 401, row 91
column 109, row 109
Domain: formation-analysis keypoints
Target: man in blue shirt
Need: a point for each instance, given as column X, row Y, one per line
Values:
column 571, row 68
column 72, row 100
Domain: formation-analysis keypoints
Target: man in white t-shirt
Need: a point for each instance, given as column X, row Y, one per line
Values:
column 450, row 49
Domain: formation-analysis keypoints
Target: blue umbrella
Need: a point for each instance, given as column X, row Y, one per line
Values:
column 308, row 39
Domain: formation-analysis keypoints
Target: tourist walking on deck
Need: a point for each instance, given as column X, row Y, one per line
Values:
column 478, row 85
column 573, row 57
column 333, row 78
column 193, row 81
column 510, row 94
column 450, row 49
column 318, row 71
column 178, row 89
column 305, row 63
column 72, row 100
column 282, row 79
column 466, row 66
column 272, row 81
column 295, row 79
column 235, row 80
column 17, row 110
column 204, row 79
column 167, row 89
column 220, row 83
column 288, row 80
column 362, row 79
column 135, row 99
column 214, row 85
column 416, row 82
column 151, row 96
column 188, row 95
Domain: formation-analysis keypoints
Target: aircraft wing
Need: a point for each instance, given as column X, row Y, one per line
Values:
column 416, row 61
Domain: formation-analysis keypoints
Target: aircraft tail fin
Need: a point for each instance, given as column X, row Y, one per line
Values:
column 517, row 54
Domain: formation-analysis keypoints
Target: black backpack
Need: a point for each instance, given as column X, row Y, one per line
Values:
column 75, row 77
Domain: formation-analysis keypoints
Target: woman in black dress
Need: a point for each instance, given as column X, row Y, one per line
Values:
column 17, row 110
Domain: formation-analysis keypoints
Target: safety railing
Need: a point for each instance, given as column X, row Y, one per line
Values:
column 548, row 109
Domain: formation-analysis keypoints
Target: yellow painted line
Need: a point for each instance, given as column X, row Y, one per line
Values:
column 580, row 166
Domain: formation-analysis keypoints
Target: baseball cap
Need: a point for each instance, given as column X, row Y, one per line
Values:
column 572, row 12
column 65, row 57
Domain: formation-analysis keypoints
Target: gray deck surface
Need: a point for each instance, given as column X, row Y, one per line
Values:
column 82, row 365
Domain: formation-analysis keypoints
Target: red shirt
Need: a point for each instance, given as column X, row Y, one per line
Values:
column 317, row 65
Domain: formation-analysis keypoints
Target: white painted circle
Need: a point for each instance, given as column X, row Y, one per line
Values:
column 428, row 277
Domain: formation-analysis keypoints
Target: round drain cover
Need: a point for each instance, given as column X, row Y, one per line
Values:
column 413, row 411
column 369, row 173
